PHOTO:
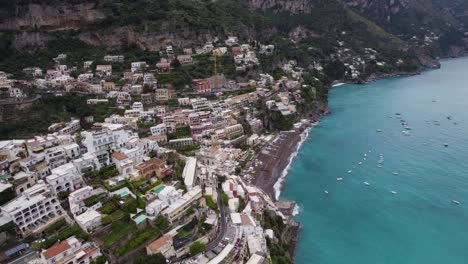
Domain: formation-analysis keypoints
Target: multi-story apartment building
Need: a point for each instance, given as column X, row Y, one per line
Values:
column 200, row 104
column 158, row 130
column 77, row 203
column 36, row 207
column 165, row 94
column 55, row 156
column 65, row 178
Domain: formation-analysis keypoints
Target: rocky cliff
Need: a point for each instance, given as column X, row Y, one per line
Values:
column 115, row 24
column 52, row 17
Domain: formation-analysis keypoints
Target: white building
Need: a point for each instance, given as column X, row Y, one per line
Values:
column 89, row 220
column 184, row 101
column 87, row 162
column 178, row 208
column 155, row 207
column 158, row 130
column 189, row 172
column 169, row 195
column 65, row 178
column 77, row 198
column 138, row 66
column 72, row 151
column 70, row 128
column 55, row 156
column 37, row 207
column 200, row 104
column 70, row 251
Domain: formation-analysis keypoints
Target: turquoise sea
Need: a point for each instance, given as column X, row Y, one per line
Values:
column 368, row 224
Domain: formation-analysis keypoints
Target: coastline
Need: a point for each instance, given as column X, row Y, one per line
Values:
column 276, row 158
column 279, row 170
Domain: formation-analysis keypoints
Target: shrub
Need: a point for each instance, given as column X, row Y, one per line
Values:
column 196, row 247
column 211, row 203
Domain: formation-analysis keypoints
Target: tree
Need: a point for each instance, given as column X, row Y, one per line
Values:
column 225, row 198
column 241, row 204
column 153, row 259
column 147, row 89
column 161, row 222
column 175, row 64
column 197, row 247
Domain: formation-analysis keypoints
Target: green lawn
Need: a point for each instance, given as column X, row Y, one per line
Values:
column 119, row 229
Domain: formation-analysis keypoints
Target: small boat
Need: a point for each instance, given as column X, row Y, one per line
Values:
column 393, row 192
column 360, row 163
column 364, row 159
column 449, row 117
column 350, row 171
column 395, row 173
column 397, row 114
column 365, row 155
column 370, row 151
column 339, row 179
column 366, row 183
column 379, row 130
column 455, row 202
column 445, row 145
column 380, row 166
column 326, row 192
column 407, row 127
column 381, row 161
column 406, row 133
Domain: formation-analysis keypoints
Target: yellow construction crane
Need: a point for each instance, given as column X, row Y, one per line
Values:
column 215, row 60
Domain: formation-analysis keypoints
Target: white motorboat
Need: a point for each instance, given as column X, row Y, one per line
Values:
column 393, row 192
column 395, row 173
column 360, row 163
column 455, row 202
column 350, row 171
column 366, row 183
column 339, row 179
column 326, row 192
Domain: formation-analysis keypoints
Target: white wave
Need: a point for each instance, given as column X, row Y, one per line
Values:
column 296, row 210
column 279, row 183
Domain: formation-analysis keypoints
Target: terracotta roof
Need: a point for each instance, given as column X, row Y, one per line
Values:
column 56, row 249
column 119, row 156
column 158, row 243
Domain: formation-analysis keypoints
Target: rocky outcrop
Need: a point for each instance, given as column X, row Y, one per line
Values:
column 30, row 39
column 300, row 32
column 289, row 6
column 52, row 17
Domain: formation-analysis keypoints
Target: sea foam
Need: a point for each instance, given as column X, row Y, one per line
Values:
column 279, row 183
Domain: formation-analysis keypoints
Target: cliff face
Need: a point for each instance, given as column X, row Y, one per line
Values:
column 52, row 17
column 292, row 6
column 149, row 25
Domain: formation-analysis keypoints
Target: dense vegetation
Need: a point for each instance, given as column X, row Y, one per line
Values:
column 52, row 109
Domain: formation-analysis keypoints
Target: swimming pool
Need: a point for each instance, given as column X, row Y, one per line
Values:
column 159, row 189
column 140, row 219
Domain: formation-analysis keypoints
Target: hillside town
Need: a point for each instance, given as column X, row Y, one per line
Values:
column 184, row 175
